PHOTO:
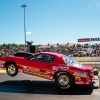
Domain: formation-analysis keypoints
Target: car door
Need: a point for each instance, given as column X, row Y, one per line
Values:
column 39, row 65
column 47, row 64
column 32, row 63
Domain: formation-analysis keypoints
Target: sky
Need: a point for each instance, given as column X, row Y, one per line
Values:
column 49, row 21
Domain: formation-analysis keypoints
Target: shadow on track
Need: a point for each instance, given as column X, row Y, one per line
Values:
column 42, row 87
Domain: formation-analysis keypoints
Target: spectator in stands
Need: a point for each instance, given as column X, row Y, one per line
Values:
column 73, row 50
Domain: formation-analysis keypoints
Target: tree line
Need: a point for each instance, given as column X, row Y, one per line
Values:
column 13, row 45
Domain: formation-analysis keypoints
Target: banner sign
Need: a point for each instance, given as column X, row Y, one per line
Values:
column 84, row 40
column 95, row 39
column 88, row 39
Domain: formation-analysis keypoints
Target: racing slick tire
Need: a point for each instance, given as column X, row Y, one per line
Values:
column 11, row 69
column 64, row 80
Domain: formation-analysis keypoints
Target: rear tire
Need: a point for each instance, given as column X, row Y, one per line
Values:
column 64, row 80
column 11, row 69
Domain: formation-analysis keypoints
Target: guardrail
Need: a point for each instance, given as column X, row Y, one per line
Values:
column 99, row 81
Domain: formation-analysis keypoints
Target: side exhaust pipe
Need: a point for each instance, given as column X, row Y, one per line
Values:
column 96, row 72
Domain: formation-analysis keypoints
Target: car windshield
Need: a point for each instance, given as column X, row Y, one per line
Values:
column 70, row 61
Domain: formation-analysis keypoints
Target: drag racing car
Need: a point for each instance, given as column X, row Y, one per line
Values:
column 64, row 70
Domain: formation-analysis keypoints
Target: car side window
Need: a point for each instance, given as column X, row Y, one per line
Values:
column 48, row 58
column 37, row 57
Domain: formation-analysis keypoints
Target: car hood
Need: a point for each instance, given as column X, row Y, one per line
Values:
column 87, row 67
column 84, row 67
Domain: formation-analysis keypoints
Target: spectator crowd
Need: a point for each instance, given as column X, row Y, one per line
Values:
column 73, row 50
column 9, row 52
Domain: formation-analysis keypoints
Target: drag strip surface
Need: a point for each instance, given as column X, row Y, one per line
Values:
column 27, row 87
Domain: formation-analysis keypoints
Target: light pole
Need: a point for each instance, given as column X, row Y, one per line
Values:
column 23, row 6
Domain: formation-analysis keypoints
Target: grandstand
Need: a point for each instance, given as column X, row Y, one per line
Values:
column 73, row 50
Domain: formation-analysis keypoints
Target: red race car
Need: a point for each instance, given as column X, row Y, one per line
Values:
column 52, row 66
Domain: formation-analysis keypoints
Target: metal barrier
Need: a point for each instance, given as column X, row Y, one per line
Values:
column 98, row 69
column 99, row 81
column 94, row 61
column 85, row 59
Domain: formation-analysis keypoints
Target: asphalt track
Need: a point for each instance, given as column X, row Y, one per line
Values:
column 27, row 87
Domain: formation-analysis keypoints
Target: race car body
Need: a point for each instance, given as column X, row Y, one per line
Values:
column 63, row 69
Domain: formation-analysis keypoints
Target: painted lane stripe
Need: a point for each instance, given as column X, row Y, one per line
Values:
column 2, row 71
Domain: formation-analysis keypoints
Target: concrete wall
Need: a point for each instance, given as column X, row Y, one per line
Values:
column 94, row 61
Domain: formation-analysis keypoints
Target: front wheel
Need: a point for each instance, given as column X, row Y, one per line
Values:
column 11, row 69
column 64, row 80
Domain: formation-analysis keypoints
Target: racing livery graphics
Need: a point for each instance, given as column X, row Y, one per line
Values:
column 64, row 70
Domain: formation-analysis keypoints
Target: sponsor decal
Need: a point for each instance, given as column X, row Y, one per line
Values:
column 51, row 77
column 60, row 67
column 80, row 82
column 71, row 70
column 20, row 70
column 63, row 67
column 79, row 73
column 47, row 72
column 1, row 66
column 2, row 62
column 48, row 76
column 76, row 72
column 32, row 71
column 52, row 72
column 84, row 74
column 36, row 69
column 25, row 67
column 39, row 74
column 55, row 68
column 25, row 71
column 43, row 74
column 87, row 82
column 78, row 78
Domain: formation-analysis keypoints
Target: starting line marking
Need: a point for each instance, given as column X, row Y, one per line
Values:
column 2, row 71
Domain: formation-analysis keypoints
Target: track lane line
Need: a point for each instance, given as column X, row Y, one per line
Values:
column 2, row 71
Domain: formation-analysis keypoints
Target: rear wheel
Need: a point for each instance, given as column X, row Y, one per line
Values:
column 11, row 69
column 64, row 80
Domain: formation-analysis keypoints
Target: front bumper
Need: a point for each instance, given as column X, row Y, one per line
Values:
column 84, row 81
